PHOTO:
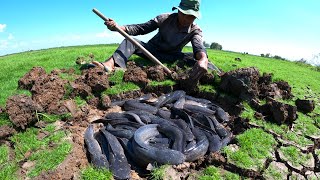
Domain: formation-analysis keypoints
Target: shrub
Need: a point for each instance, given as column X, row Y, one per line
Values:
column 216, row 46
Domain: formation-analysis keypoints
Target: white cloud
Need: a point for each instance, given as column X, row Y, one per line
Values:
column 10, row 37
column 3, row 44
column 2, row 27
column 107, row 33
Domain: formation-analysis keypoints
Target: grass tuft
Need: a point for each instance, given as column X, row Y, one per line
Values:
column 254, row 146
column 158, row 173
column 91, row 173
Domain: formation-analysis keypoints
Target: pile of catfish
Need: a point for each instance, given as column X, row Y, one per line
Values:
column 171, row 129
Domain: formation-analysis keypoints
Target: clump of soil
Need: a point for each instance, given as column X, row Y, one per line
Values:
column 6, row 131
column 305, row 106
column 135, row 74
column 207, row 78
column 22, row 110
column 279, row 112
column 156, row 73
column 242, row 83
column 247, row 84
column 95, row 78
column 29, row 79
column 48, row 91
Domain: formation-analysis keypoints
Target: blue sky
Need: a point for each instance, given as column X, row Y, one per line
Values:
column 288, row 28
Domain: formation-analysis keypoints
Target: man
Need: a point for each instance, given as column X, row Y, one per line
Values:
column 175, row 31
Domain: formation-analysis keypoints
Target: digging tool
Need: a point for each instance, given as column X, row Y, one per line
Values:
column 144, row 50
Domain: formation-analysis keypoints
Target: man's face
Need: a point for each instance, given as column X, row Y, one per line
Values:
column 185, row 20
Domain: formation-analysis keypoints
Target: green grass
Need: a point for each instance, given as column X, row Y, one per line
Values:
column 8, row 172
column 91, row 173
column 4, row 154
column 304, row 126
column 7, row 168
column 254, row 146
column 122, row 87
column 45, row 157
column 273, row 172
column 162, row 83
column 4, row 119
column 49, row 118
column 294, row 155
column 47, row 160
column 214, row 173
column 158, row 173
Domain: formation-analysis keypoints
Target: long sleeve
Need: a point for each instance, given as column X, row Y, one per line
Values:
column 141, row 29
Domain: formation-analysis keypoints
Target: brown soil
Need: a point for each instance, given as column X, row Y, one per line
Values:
column 156, row 73
column 135, row 74
column 6, row 131
column 49, row 91
column 305, row 106
column 22, row 110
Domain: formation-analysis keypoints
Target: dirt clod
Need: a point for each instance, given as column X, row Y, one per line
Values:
column 305, row 106
column 22, row 110
column 29, row 79
column 136, row 75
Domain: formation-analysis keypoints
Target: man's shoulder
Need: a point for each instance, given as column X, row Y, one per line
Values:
column 162, row 17
column 166, row 15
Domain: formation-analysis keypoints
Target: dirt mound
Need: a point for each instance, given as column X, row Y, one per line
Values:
column 278, row 112
column 156, row 73
column 305, row 106
column 247, row 84
column 242, row 83
column 48, row 91
column 135, row 74
column 22, row 110
column 29, row 79
column 95, row 78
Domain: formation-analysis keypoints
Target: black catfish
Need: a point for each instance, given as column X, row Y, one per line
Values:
column 98, row 159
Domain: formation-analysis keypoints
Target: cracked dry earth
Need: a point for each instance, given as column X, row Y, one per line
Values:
column 53, row 95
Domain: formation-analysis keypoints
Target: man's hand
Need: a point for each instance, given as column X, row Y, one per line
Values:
column 199, row 68
column 111, row 24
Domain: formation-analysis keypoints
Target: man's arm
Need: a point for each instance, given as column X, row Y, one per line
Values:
column 202, row 59
column 134, row 29
column 200, row 67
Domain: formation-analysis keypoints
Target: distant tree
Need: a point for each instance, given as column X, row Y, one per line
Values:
column 267, row 55
column 205, row 44
column 216, row 46
column 278, row 57
column 262, row 55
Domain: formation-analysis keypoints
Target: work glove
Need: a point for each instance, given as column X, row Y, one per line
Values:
column 111, row 24
column 198, row 70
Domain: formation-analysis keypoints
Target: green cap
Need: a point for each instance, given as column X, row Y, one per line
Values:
column 190, row 7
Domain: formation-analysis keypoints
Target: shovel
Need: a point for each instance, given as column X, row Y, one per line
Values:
column 144, row 50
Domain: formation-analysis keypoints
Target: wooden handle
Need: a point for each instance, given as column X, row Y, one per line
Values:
column 144, row 50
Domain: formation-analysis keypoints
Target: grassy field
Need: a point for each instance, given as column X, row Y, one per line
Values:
column 303, row 79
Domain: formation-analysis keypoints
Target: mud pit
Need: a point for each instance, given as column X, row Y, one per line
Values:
column 49, row 94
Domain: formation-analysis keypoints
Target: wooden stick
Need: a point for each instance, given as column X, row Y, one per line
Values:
column 144, row 50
